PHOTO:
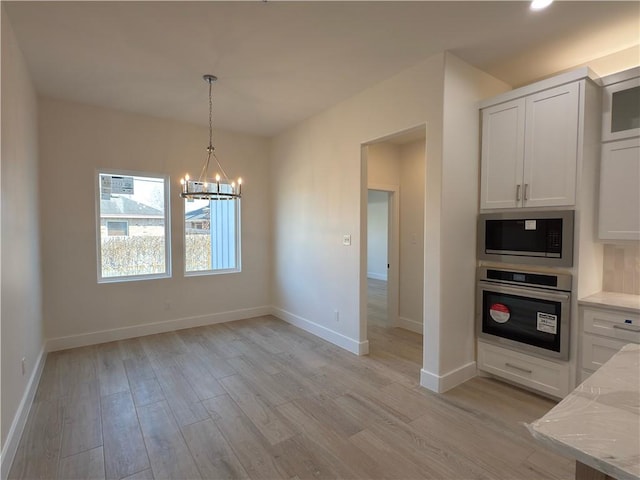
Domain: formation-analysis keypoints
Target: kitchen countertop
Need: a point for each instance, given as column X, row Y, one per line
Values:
column 617, row 301
column 598, row 424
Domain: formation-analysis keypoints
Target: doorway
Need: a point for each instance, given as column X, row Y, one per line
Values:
column 382, row 254
column 392, row 294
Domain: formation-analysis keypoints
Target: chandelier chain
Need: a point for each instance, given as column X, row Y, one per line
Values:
column 210, row 117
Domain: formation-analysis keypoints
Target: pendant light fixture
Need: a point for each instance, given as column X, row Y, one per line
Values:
column 220, row 188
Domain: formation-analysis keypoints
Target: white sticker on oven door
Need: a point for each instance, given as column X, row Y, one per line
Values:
column 530, row 224
column 499, row 312
column 547, row 323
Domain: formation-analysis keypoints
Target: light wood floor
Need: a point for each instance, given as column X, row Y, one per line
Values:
column 262, row 399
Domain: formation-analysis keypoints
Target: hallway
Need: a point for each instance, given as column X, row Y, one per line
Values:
column 397, row 348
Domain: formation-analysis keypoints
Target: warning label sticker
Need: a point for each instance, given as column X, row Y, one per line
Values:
column 499, row 312
column 547, row 323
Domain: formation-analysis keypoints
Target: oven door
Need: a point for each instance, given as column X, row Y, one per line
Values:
column 524, row 319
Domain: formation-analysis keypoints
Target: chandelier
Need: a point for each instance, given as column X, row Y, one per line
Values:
column 221, row 188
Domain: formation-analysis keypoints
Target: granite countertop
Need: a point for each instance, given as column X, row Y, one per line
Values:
column 624, row 302
column 598, row 423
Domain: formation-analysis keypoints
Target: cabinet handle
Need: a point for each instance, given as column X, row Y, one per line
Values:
column 518, row 192
column 515, row 367
column 526, row 191
column 629, row 328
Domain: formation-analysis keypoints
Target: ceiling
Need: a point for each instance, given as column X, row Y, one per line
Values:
column 279, row 62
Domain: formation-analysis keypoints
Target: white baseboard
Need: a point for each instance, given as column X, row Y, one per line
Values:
column 377, row 276
column 409, row 324
column 20, row 419
column 348, row 343
column 442, row 383
column 93, row 338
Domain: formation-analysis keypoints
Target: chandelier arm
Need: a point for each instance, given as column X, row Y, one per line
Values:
column 205, row 168
column 224, row 174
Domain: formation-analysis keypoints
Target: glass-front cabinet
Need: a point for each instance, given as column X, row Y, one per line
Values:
column 621, row 105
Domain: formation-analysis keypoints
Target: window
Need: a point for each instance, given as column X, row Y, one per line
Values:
column 212, row 236
column 133, row 226
column 115, row 228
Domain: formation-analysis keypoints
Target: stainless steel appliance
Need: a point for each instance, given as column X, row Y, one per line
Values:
column 542, row 238
column 525, row 311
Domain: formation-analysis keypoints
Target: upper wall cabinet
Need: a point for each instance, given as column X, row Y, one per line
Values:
column 619, row 213
column 530, row 145
column 621, row 105
column 619, row 217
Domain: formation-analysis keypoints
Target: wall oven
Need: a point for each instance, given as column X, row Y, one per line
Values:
column 541, row 238
column 525, row 311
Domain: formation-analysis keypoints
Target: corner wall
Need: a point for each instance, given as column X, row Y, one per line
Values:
column 21, row 331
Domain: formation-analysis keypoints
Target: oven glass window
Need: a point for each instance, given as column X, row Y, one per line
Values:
column 522, row 319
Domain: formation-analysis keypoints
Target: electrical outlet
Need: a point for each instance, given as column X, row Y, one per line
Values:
column 23, row 366
column 346, row 240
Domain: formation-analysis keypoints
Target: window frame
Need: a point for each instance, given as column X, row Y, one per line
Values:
column 167, row 225
column 238, row 241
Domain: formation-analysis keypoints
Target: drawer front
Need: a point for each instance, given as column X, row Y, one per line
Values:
column 536, row 373
column 613, row 324
column 597, row 350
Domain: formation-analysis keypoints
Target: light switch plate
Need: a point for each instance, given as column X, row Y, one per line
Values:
column 346, row 240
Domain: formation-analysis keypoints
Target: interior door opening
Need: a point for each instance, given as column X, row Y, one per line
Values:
column 392, row 288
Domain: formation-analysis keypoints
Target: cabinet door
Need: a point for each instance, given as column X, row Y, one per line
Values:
column 502, row 155
column 619, row 216
column 551, row 147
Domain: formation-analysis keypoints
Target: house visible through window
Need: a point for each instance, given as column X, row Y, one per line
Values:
column 212, row 235
column 133, row 226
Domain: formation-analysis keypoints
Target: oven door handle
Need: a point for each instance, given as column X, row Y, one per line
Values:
column 538, row 293
column 627, row 327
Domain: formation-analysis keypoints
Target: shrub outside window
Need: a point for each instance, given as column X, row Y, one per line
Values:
column 132, row 226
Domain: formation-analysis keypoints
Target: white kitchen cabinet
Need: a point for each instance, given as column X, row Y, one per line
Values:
column 502, row 147
column 536, row 373
column 605, row 330
column 530, row 149
column 619, row 214
column 621, row 105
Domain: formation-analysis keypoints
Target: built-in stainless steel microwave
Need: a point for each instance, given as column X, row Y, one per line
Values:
column 532, row 238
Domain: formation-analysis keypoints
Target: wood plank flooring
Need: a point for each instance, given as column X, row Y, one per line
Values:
column 261, row 399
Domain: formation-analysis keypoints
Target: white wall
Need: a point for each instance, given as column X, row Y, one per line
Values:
column 318, row 196
column 412, row 244
column 464, row 86
column 21, row 317
column 77, row 139
column 377, row 234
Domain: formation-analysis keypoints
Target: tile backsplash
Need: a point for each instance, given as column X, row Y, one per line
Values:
column 621, row 269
